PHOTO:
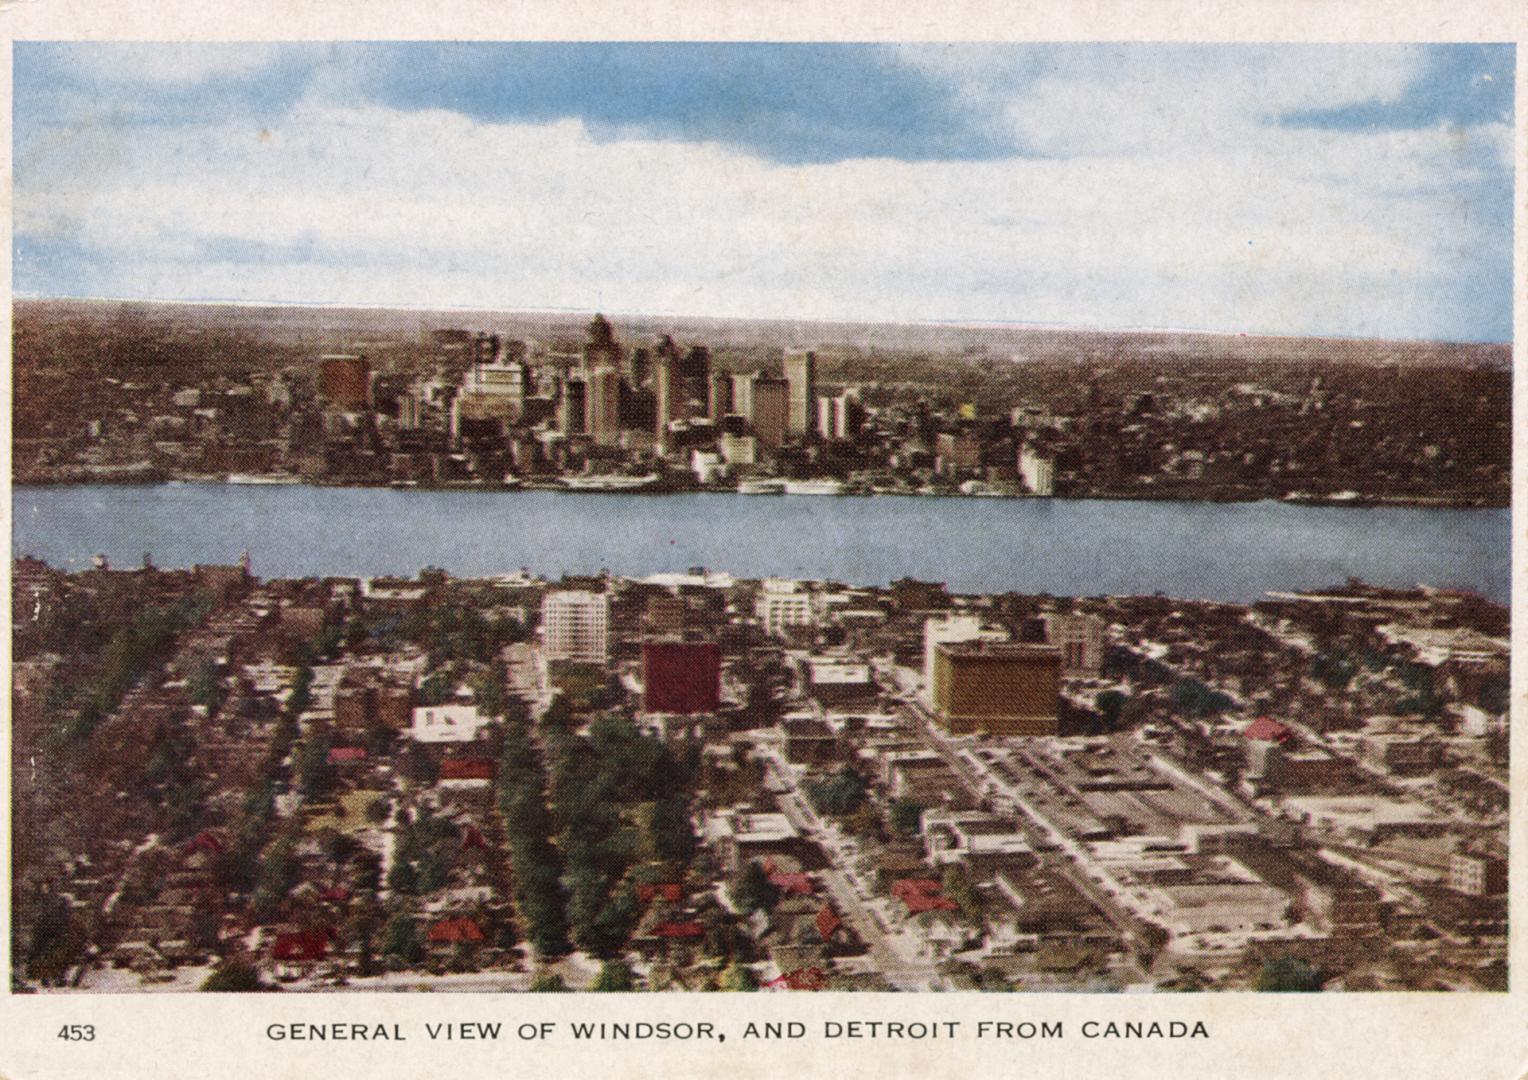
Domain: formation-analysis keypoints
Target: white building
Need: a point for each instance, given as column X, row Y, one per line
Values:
column 1039, row 473
column 1081, row 641
column 447, row 723
column 707, row 466
column 959, row 836
column 783, row 604
column 575, row 625
column 739, row 449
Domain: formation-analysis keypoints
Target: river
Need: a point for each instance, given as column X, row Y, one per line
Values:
column 1218, row 551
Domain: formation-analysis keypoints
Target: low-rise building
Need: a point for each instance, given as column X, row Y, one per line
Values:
column 447, row 723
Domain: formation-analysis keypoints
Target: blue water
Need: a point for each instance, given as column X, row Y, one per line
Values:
column 1221, row 551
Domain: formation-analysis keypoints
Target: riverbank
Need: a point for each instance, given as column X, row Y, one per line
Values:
column 666, row 485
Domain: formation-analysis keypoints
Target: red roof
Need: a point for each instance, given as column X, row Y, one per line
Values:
column 338, row 754
column 679, row 930
column 672, row 891
column 793, row 884
column 810, row 978
column 828, row 921
column 336, row 894
column 918, row 903
column 922, row 894
column 205, row 841
column 1268, row 730
column 311, row 944
column 458, row 769
column 472, row 838
column 455, row 930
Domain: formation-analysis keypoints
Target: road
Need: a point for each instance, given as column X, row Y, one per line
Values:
column 903, row 972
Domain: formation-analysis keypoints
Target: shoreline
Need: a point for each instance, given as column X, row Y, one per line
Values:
column 659, row 489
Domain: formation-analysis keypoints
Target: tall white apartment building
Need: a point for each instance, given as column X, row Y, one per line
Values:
column 575, row 625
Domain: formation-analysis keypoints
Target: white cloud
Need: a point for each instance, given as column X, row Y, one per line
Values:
column 1296, row 231
column 169, row 63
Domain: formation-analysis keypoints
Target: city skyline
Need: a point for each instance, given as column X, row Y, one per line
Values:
column 1352, row 191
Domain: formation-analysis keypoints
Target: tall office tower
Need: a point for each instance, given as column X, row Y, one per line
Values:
column 801, row 374
column 771, row 404
column 603, row 403
column 575, row 626
column 825, row 416
column 639, row 369
column 493, row 391
column 720, row 403
column 666, row 389
column 1038, row 471
column 695, row 373
column 742, row 394
column 1081, row 641
column 601, row 350
column 575, row 396
column 848, row 415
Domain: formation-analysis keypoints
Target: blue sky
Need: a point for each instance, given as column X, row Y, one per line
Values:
column 1358, row 190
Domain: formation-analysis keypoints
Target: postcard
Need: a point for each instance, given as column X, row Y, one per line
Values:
column 876, row 547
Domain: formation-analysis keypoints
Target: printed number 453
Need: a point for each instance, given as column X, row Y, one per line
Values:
column 77, row 1033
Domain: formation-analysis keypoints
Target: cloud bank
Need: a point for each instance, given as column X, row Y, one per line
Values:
column 1330, row 190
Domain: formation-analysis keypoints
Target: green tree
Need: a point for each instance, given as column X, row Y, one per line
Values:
column 548, row 984
column 1110, row 705
column 300, row 699
column 234, row 976
column 400, row 938
column 752, row 890
column 906, row 817
column 615, row 977
column 315, row 775
column 278, row 873
column 840, row 794
column 204, row 687
column 739, row 978
column 957, row 886
column 1287, row 974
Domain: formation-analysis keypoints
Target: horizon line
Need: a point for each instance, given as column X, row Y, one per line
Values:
column 953, row 323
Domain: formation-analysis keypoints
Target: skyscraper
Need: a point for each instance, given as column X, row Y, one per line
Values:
column 721, row 396
column 666, row 388
column 801, row 374
column 575, row 394
column 742, row 394
column 695, row 374
column 603, row 406
column 771, row 402
column 601, row 350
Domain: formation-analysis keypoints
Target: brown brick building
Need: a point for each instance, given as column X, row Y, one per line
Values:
column 999, row 689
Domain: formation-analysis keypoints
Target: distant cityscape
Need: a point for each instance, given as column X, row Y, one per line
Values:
column 142, row 393
column 696, row 782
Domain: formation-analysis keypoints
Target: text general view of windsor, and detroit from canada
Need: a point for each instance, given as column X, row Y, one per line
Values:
column 785, row 518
